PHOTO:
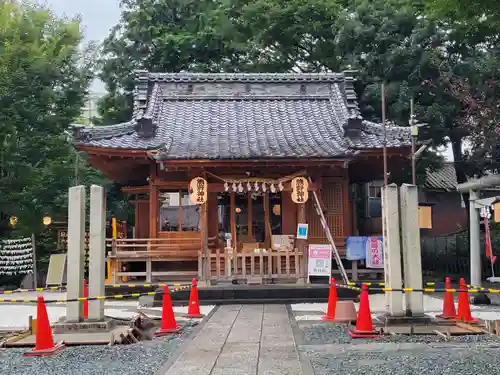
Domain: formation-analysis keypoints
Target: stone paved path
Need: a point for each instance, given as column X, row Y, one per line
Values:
column 242, row 340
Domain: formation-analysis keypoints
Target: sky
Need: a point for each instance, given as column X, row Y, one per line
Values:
column 98, row 17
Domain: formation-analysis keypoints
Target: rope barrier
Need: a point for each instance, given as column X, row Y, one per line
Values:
column 63, row 288
column 118, row 296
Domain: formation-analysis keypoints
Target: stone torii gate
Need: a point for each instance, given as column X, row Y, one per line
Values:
column 473, row 187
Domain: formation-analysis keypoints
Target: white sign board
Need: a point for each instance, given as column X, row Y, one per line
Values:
column 320, row 260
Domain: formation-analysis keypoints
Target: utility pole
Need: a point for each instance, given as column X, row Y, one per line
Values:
column 414, row 135
column 382, row 93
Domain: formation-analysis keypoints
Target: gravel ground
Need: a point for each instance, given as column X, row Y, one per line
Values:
column 445, row 361
column 137, row 359
column 336, row 334
column 422, row 354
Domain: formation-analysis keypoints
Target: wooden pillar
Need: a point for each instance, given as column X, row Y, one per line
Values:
column 234, row 240
column 206, row 263
column 302, row 245
column 250, row 216
column 267, row 221
column 232, row 217
column 153, row 203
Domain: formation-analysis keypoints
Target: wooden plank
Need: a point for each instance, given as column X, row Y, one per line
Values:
column 470, row 327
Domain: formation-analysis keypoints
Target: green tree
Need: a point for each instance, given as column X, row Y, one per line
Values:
column 394, row 42
column 43, row 82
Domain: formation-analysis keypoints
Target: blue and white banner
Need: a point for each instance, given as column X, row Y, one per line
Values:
column 369, row 248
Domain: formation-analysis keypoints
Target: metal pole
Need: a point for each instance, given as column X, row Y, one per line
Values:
column 475, row 252
column 33, row 246
column 382, row 93
column 413, row 145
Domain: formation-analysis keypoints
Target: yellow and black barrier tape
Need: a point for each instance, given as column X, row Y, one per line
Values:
column 424, row 290
column 429, row 283
column 381, row 284
column 63, row 288
column 103, row 298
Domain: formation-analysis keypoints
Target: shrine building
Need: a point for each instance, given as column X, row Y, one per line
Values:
column 222, row 168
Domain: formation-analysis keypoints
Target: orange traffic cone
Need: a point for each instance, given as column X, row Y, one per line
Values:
column 85, row 302
column 464, row 313
column 168, row 323
column 449, row 311
column 44, row 344
column 194, row 302
column 332, row 303
column 364, row 325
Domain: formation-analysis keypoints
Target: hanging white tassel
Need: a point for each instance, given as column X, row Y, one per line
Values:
column 272, row 188
column 249, row 186
column 280, row 186
column 240, row 187
column 226, row 186
column 256, row 186
column 264, row 188
column 234, row 186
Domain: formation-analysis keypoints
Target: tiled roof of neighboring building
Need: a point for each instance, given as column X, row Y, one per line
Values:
column 244, row 116
column 444, row 178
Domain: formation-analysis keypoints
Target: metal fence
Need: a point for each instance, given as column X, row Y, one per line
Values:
column 450, row 255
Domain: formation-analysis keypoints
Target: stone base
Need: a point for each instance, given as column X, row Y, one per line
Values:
column 47, row 352
column 85, row 326
column 254, row 280
column 406, row 320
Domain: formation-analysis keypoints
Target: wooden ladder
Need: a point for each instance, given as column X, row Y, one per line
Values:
column 326, row 228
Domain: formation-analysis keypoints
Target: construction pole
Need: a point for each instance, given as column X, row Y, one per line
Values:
column 382, row 93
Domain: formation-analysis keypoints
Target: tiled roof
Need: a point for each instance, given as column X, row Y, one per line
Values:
column 244, row 116
column 444, row 178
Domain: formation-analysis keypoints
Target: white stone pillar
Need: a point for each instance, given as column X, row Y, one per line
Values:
column 475, row 251
column 76, row 252
column 412, row 253
column 97, row 251
column 392, row 250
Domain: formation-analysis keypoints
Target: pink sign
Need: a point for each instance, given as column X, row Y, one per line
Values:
column 374, row 253
column 320, row 253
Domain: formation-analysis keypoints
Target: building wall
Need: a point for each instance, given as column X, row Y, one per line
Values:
column 448, row 213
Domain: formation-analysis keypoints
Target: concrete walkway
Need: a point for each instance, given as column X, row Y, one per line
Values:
column 242, row 340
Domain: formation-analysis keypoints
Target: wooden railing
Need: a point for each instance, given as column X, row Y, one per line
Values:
column 263, row 263
column 152, row 250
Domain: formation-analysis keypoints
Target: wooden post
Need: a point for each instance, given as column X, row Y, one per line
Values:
column 33, row 245
column 301, row 219
column 204, row 243
column 267, row 221
column 234, row 240
column 250, row 217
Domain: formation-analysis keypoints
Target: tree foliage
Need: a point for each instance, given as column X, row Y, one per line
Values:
column 43, row 81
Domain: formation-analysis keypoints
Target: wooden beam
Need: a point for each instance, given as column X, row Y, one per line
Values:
column 250, row 163
column 135, row 189
column 127, row 153
column 213, row 187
